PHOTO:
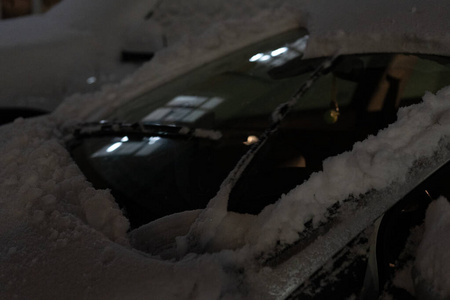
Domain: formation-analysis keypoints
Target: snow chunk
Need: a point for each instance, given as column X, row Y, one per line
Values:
column 40, row 178
column 51, row 216
column 433, row 258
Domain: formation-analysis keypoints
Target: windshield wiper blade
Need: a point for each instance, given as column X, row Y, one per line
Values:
column 108, row 128
column 199, row 236
column 278, row 116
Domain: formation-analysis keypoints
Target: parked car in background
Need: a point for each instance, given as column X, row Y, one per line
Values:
column 75, row 47
column 169, row 150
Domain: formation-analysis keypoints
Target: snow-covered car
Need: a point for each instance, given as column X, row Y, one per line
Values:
column 62, row 238
column 275, row 116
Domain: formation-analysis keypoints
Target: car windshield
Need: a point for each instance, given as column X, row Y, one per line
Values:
column 153, row 175
column 233, row 87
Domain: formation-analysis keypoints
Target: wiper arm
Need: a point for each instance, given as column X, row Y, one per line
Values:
column 278, row 116
column 203, row 230
column 108, row 128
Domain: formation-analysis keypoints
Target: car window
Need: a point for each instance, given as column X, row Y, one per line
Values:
column 222, row 88
column 239, row 87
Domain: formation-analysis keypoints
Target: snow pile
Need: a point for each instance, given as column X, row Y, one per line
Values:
column 59, row 237
column 41, row 181
column 433, row 257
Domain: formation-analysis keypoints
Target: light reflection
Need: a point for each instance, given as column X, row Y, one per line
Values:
column 184, row 108
column 265, row 58
column 194, row 116
column 256, row 57
column 300, row 44
column 187, row 101
column 136, row 148
column 113, row 147
column 153, row 140
column 157, row 115
column 150, row 147
column 251, row 139
column 279, row 51
column 281, row 55
column 212, row 103
column 91, row 80
column 177, row 114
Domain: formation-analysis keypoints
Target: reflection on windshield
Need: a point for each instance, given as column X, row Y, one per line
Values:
column 251, row 139
column 183, row 109
column 189, row 109
column 124, row 146
column 214, row 93
column 282, row 55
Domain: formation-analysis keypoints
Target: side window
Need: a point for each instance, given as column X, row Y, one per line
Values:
column 429, row 73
